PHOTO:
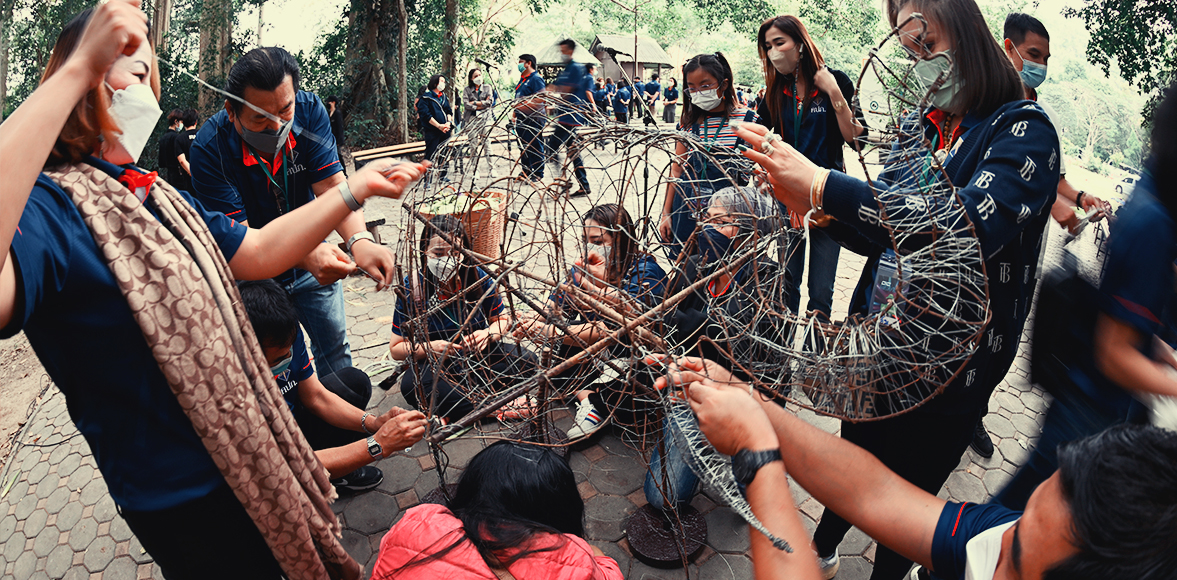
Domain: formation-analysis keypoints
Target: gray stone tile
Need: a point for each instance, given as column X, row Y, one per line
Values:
column 617, row 474
column 99, row 554
column 69, row 515
column 59, row 452
column 59, row 561
column 14, row 547
column 15, row 494
column 1029, row 428
column 45, row 541
column 614, row 551
column 854, row 568
column 38, row 472
column 57, row 500
column 963, row 486
column 81, row 476
column 82, row 534
column 7, row 528
column 139, row 555
column 122, row 568
column 357, row 545
column 31, row 459
column 26, row 506
column 726, row 531
column 400, row 472
column 24, row 566
column 104, row 510
column 50, row 483
column 77, row 573
column 640, row 571
column 605, row 517
column 119, row 530
column 726, row 567
column 462, row 450
column 94, row 491
column 371, row 512
column 995, row 480
column 855, row 543
column 999, row 426
column 70, row 463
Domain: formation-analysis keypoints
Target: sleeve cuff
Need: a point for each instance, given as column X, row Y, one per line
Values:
column 844, row 195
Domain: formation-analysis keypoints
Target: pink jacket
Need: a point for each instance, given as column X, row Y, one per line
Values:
column 428, row 528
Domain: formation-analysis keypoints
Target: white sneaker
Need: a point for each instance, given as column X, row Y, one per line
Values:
column 829, row 566
column 588, row 420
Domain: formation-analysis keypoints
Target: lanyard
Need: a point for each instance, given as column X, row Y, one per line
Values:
column 281, row 196
column 797, row 112
column 708, row 139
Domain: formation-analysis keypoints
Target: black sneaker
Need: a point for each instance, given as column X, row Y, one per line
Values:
column 362, row 479
column 982, row 443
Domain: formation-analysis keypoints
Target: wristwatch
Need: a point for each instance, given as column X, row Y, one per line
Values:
column 746, row 463
column 364, row 235
column 377, row 452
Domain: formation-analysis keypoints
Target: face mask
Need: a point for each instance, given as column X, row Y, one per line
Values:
column 706, row 100
column 567, row 58
column 268, row 141
column 784, row 62
column 521, row 67
column 713, row 245
column 136, row 111
column 282, row 365
column 443, row 268
column 929, row 70
column 600, row 250
column 441, row 87
column 478, row 81
column 1033, row 74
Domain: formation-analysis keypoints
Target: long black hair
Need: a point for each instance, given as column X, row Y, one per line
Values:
column 811, row 61
column 715, row 65
column 625, row 249
column 454, row 229
column 1163, row 158
column 510, row 492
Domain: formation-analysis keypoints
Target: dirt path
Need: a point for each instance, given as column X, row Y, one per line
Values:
column 21, row 379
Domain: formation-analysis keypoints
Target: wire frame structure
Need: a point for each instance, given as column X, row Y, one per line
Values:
column 527, row 247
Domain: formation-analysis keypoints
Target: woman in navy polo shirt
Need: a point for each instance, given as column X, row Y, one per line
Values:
column 437, row 115
column 56, row 285
column 809, row 105
column 671, row 101
column 1001, row 153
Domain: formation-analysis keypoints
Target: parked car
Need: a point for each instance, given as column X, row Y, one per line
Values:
column 1127, row 184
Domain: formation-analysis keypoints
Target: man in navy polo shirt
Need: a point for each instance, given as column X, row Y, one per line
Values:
column 258, row 161
column 1108, row 513
column 653, row 92
column 530, row 117
column 577, row 83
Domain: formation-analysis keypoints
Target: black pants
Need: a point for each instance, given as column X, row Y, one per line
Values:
column 352, row 385
column 179, row 180
column 561, row 136
column 500, row 366
column 615, row 397
column 531, row 144
column 433, row 141
column 209, row 537
column 623, row 117
column 922, row 448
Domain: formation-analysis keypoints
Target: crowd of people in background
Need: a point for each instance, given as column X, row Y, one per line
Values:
column 173, row 313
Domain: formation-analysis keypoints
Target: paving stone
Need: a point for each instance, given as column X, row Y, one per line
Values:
column 59, row 561
column 963, row 486
column 614, row 550
column 99, row 554
column 122, row 568
column 855, row 543
column 138, row 554
column 31, row 460
column 25, row 507
column 854, row 568
column 14, row 547
column 119, row 530
column 77, row 573
column 81, row 476
column 24, row 566
column 49, row 484
column 999, row 426
column 995, row 480
column 104, row 510
column 57, row 500
column 638, row 570
column 16, row 493
column 1014, row 452
column 726, row 531
column 1029, row 428
column 726, row 566
column 366, row 327
column 357, row 545
column 59, row 452
column 82, row 534
column 69, row 515
column 38, row 472
column 618, row 475
column 45, row 541
column 94, row 491
column 460, row 452
column 7, row 528
column 371, row 512
column 605, row 517
column 69, row 464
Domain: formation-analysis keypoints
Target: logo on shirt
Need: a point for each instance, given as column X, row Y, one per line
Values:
column 1019, row 129
column 1027, row 171
column 986, row 207
column 1004, row 269
column 1024, row 214
column 984, row 179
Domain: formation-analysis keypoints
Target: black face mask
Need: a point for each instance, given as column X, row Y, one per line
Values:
column 713, row 245
column 268, row 141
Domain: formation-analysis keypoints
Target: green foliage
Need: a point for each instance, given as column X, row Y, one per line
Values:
column 33, row 33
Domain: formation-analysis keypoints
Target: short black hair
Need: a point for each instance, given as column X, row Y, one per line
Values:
column 1121, row 488
column 1018, row 24
column 434, row 81
column 654, row 77
column 528, row 58
column 175, row 115
column 332, row 99
column 1162, row 162
column 190, row 117
column 272, row 312
column 263, row 69
column 568, row 43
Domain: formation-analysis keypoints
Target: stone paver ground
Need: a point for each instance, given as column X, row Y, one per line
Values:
column 58, row 521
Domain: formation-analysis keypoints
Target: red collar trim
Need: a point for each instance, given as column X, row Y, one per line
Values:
column 789, row 92
column 136, row 181
column 249, row 160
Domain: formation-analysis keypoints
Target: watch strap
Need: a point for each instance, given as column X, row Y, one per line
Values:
column 348, row 198
column 746, row 463
column 364, row 235
column 374, row 448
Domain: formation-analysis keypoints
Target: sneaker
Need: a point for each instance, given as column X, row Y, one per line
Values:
column 588, row 420
column 919, row 573
column 362, row 479
column 579, row 193
column 982, row 443
column 829, row 566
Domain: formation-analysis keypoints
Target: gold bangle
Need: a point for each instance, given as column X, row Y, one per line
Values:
column 839, row 105
column 817, row 188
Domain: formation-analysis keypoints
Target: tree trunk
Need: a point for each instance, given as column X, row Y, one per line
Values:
column 448, row 66
column 216, row 32
column 402, row 59
column 160, row 21
column 369, row 59
column 6, row 7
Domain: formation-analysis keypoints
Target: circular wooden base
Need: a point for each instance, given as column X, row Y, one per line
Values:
column 658, row 540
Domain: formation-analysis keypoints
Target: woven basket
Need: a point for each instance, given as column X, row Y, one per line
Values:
column 485, row 222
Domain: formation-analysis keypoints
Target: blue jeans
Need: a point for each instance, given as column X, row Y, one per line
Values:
column 680, row 484
column 566, row 136
column 320, row 310
column 823, row 268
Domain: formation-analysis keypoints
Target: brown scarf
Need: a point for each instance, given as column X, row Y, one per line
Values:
column 183, row 296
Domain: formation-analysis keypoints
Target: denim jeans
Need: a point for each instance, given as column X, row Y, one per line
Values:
column 531, row 144
column 823, row 268
column 320, row 310
column 680, row 483
column 353, row 386
column 565, row 136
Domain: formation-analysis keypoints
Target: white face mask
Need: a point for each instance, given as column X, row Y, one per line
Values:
column 443, row 268
column 136, row 111
column 567, row 58
column 600, row 250
column 785, row 62
column 441, row 87
column 478, row 81
column 706, row 100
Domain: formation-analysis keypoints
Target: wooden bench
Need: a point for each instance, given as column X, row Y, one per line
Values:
column 401, row 150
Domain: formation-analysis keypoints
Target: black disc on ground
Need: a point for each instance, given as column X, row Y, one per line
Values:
column 658, row 540
column 437, row 496
column 552, row 435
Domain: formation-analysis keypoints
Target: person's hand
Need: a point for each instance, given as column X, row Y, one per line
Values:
column 376, row 260
column 533, row 326
column 401, row 431
column 825, row 82
column 595, row 268
column 1101, row 207
column 789, row 172
column 664, row 228
column 379, row 422
column 730, row 417
column 476, row 341
column 683, row 371
column 385, row 178
column 442, row 346
column 445, row 128
column 1064, row 213
column 327, row 263
column 116, row 28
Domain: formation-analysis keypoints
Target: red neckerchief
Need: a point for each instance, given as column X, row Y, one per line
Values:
column 726, row 287
column 250, row 160
column 937, row 117
column 522, row 80
column 139, row 183
column 789, row 92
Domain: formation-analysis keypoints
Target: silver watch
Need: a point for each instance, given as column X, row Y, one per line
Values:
column 364, row 235
column 374, row 448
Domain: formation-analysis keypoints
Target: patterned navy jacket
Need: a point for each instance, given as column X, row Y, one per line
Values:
column 1006, row 170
